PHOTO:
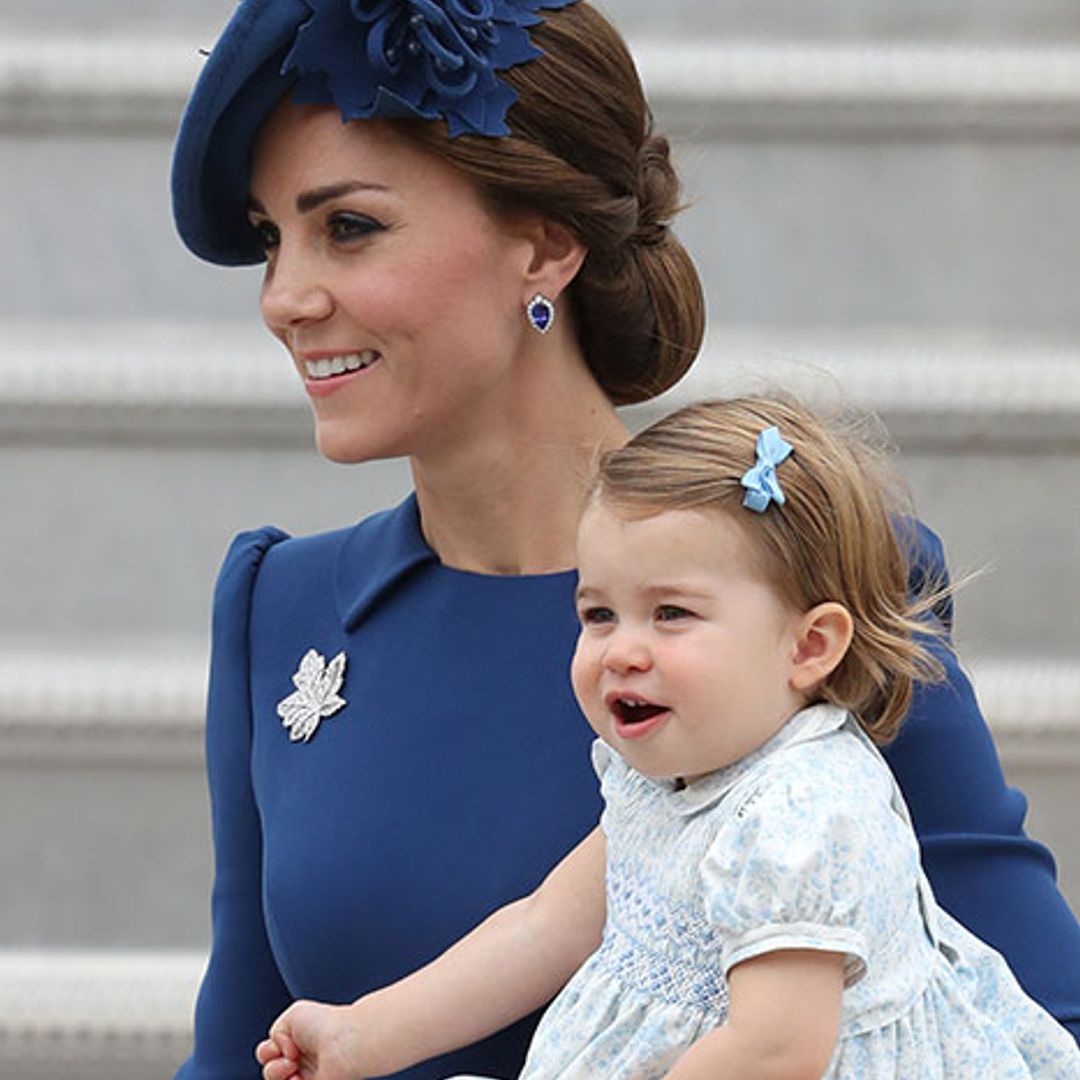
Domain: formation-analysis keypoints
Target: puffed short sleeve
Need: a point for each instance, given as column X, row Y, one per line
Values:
column 788, row 870
column 242, row 991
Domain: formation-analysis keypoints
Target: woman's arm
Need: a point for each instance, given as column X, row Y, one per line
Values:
column 510, row 965
column 242, row 989
column 783, row 1020
column 984, row 869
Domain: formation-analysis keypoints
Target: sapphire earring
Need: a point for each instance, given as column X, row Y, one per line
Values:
column 540, row 312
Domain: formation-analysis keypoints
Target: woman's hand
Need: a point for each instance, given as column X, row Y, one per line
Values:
column 309, row 1041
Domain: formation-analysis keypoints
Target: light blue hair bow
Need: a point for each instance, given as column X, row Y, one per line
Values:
column 760, row 482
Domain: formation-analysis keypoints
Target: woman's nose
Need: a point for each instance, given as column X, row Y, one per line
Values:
column 292, row 290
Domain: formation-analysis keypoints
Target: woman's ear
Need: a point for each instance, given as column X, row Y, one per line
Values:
column 557, row 255
column 823, row 635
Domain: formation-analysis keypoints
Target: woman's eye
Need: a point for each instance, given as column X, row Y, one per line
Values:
column 268, row 234
column 672, row 612
column 591, row 616
column 346, row 226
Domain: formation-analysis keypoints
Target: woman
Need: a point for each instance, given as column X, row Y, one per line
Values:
column 472, row 273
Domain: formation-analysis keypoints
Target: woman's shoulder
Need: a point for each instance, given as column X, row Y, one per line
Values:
column 254, row 550
column 928, row 569
column 238, row 572
column 378, row 534
column 268, row 572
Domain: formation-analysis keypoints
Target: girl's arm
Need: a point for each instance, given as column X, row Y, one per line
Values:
column 783, row 1020
column 513, row 963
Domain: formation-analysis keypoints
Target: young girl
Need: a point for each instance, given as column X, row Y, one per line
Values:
column 746, row 640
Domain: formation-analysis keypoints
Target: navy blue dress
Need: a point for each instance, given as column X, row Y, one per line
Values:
column 458, row 773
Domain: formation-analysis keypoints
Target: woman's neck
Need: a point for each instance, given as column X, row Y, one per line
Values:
column 508, row 501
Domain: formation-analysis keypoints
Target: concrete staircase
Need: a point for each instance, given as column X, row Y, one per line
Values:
column 884, row 212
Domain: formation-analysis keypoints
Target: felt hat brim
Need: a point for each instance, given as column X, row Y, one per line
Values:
column 238, row 87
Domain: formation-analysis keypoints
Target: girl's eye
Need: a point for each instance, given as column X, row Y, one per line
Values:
column 672, row 612
column 348, row 226
column 592, row 616
column 268, row 234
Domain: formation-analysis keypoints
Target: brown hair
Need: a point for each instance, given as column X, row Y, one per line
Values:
column 838, row 536
column 582, row 153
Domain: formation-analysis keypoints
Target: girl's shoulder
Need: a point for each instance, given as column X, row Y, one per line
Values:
column 816, row 782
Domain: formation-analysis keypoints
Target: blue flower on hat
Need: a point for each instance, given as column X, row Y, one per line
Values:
column 415, row 58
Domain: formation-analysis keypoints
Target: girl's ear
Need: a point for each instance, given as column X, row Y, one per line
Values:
column 823, row 635
column 557, row 255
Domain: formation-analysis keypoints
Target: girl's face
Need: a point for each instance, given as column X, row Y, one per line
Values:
column 684, row 656
column 397, row 293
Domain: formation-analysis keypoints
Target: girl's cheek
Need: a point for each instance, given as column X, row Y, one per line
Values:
column 580, row 668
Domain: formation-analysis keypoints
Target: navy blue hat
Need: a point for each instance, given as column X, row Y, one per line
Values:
column 240, row 84
column 429, row 59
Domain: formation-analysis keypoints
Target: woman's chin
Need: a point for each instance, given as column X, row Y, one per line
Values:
column 336, row 443
column 343, row 445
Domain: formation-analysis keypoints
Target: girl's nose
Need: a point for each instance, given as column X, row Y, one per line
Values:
column 627, row 650
column 292, row 291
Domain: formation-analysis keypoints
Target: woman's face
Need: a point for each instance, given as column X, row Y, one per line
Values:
column 395, row 290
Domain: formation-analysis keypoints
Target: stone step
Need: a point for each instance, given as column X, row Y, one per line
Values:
column 160, row 381
column 837, row 20
column 123, row 703
column 98, row 1015
column 967, row 20
column 136, row 84
column 100, row 762
column 161, row 440
column 122, row 1010
column 830, row 185
column 859, row 168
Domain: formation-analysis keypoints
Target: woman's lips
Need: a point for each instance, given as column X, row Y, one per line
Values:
column 326, row 374
column 326, row 367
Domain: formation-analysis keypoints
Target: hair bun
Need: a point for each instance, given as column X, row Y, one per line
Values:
column 658, row 191
column 582, row 153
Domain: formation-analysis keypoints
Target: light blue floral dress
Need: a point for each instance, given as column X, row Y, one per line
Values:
column 804, row 844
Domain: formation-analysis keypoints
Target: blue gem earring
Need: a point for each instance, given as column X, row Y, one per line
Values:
column 540, row 312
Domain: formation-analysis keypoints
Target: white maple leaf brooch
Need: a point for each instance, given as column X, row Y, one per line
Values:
column 316, row 695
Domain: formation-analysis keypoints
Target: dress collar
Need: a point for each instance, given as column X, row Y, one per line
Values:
column 810, row 723
column 374, row 556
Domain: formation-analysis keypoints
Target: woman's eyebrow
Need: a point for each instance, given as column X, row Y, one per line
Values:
column 307, row 201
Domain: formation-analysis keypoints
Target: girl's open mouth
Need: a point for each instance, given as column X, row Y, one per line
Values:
column 635, row 717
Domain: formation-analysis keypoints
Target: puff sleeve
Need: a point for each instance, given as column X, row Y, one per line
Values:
column 788, row 870
column 984, row 869
column 242, row 991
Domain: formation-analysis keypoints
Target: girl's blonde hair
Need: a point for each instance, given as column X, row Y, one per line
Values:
column 841, row 535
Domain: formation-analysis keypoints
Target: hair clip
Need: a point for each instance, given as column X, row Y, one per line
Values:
column 762, row 486
column 432, row 59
